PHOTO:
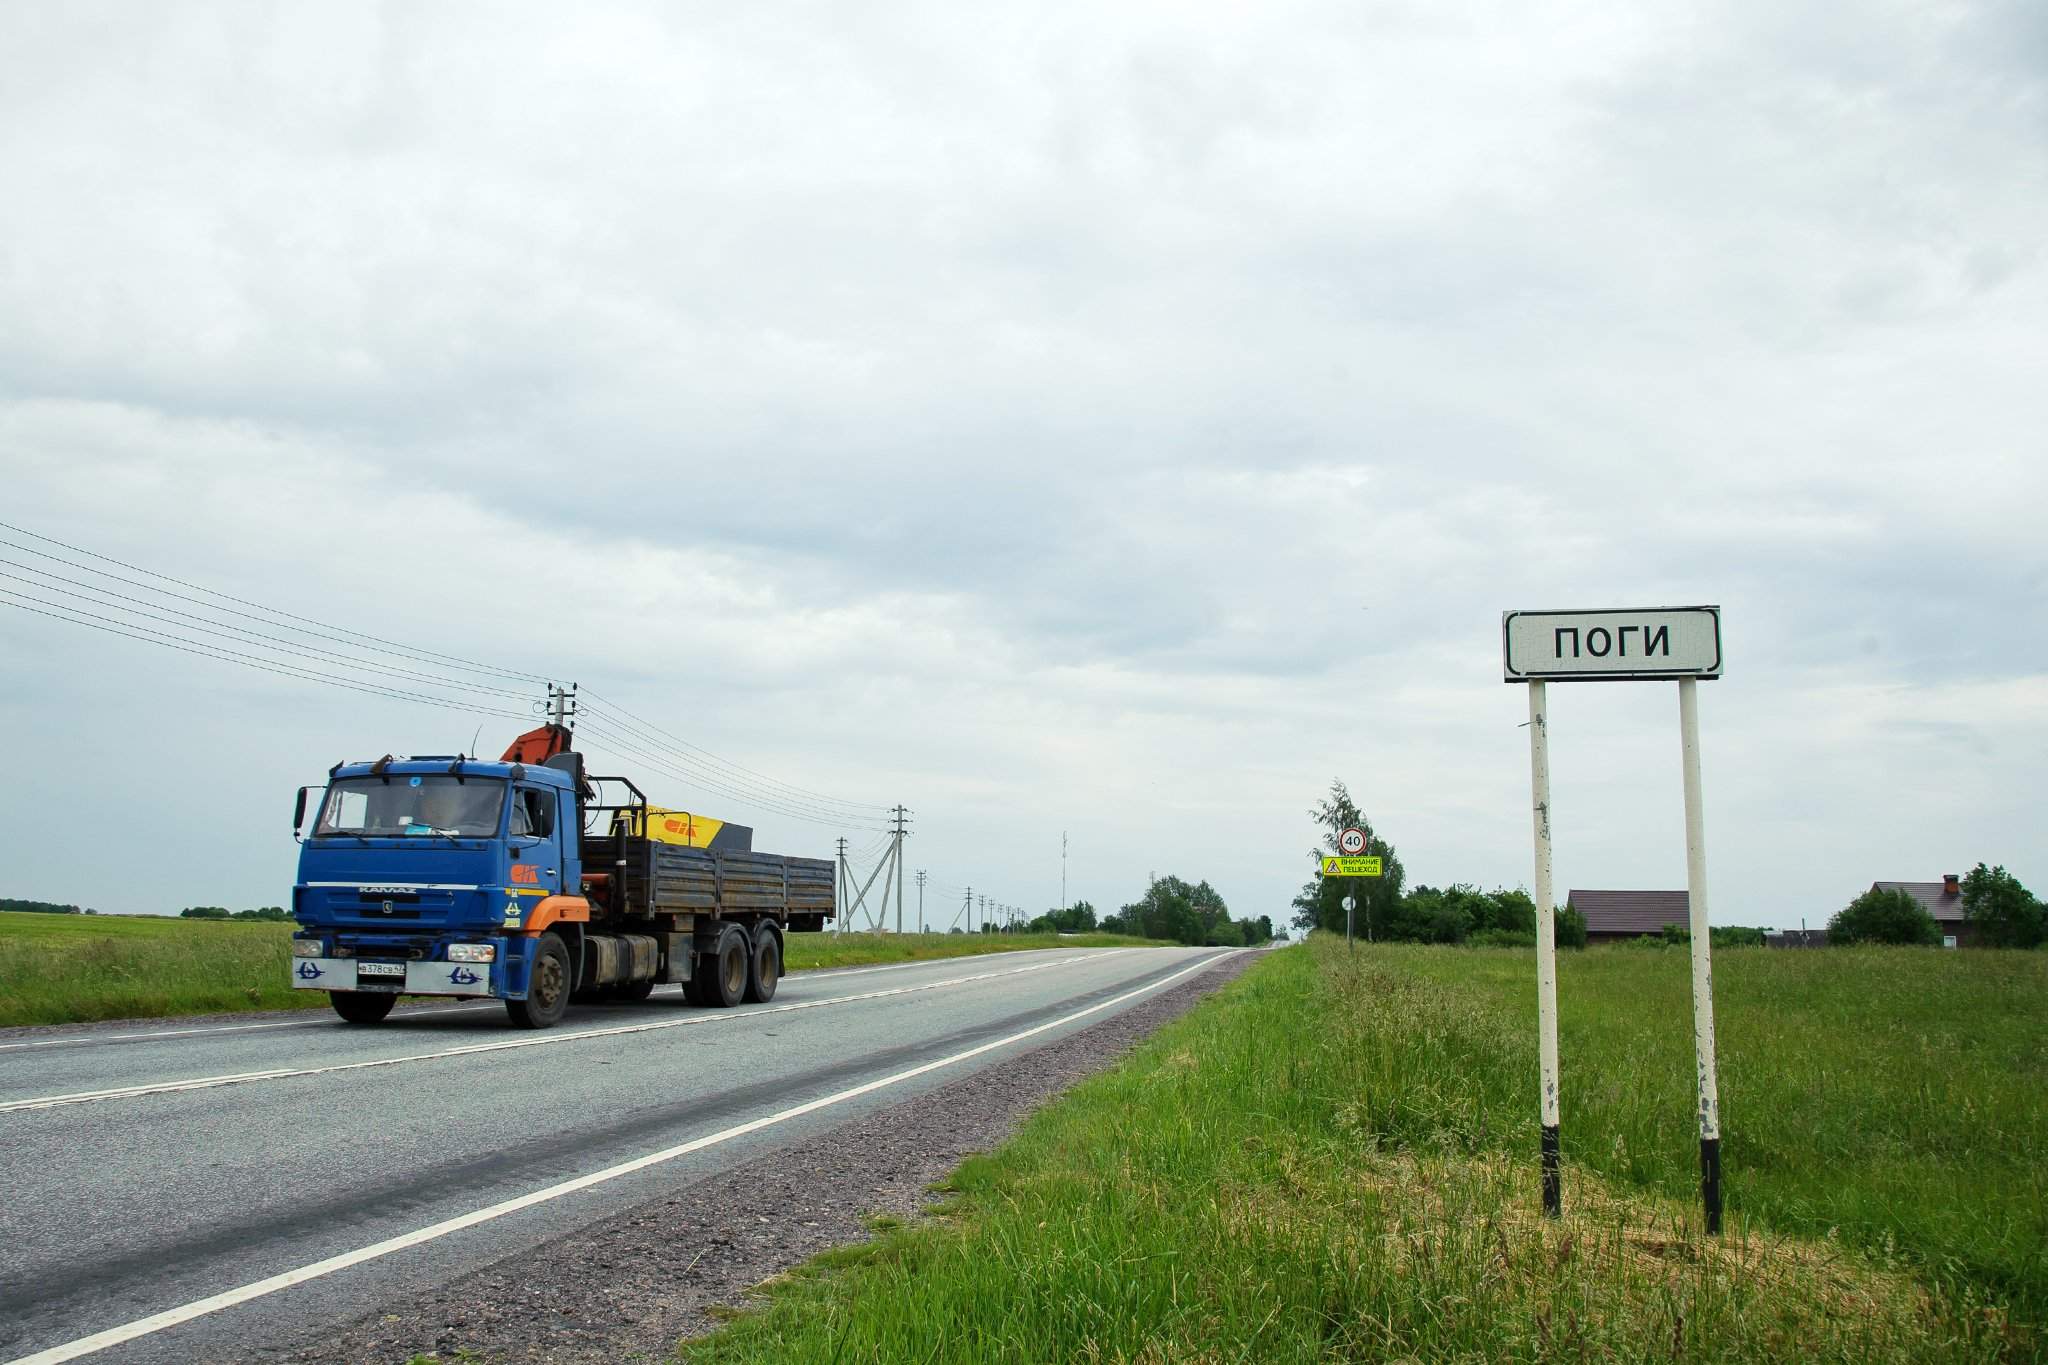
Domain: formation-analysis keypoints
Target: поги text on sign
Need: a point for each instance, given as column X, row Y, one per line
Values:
column 1575, row 646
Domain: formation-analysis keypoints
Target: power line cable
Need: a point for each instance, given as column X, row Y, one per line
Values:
column 691, row 763
column 622, row 716
column 767, row 787
column 717, row 783
column 276, row 645
column 609, row 740
column 205, row 650
column 407, row 650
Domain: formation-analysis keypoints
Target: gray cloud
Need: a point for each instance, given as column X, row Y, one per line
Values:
column 1083, row 417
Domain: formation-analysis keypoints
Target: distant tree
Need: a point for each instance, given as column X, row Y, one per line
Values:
column 1884, row 917
column 1257, row 931
column 2005, row 913
column 1228, row 934
column 1321, row 902
column 1570, row 927
column 204, row 912
column 1078, row 918
column 39, row 907
column 271, row 913
column 1171, row 909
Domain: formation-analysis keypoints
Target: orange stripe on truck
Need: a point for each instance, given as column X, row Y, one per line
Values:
column 556, row 908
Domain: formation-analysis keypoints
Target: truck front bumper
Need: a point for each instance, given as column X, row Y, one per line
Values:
column 421, row 978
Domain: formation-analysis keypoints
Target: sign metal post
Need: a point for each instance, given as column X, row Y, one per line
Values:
column 1348, row 865
column 1702, row 954
column 1546, row 947
column 1682, row 643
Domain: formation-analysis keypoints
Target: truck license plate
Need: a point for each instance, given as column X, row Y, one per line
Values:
column 396, row 969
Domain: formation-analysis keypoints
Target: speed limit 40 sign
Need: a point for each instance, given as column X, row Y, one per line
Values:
column 1351, row 842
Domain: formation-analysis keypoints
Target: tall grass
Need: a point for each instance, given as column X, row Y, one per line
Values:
column 1896, row 1098
column 1334, row 1160
column 57, row 969
column 61, row 969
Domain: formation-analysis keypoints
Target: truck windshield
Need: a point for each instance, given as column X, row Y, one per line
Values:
column 412, row 804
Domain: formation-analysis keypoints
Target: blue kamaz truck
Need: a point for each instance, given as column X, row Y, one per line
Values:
column 530, row 881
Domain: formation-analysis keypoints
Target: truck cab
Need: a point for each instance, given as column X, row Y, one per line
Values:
column 436, row 876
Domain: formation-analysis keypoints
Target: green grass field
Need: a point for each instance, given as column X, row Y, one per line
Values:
column 1335, row 1160
column 62, row 969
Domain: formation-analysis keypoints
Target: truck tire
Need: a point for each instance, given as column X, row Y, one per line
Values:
column 363, row 1007
column 764, row 966
column 721, row 974
column 548, row 988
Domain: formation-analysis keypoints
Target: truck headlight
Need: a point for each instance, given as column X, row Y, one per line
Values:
column 472, row 952
column 305, row 947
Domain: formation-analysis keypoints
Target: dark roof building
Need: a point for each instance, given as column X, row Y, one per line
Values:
column 1615, row 915
column 1944, row 901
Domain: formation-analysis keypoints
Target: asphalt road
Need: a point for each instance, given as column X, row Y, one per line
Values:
column 175, row 1194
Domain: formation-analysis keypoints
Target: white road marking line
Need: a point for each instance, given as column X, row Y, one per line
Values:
column 202, row 1030
column 936, row 962
column 198, row 1308
column 506, row 1045
column 421, row 1012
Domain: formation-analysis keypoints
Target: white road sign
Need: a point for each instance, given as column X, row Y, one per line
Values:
column 1351, row 842
column 1575, row 646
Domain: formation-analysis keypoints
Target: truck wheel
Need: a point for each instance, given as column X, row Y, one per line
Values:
column 547, row 991
column 362, row 1007
column 764, row 967
column 722, row 972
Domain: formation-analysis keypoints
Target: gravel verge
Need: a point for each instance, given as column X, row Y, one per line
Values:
column 614, row 1293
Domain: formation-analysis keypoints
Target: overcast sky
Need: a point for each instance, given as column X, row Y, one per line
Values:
column 1119, row 419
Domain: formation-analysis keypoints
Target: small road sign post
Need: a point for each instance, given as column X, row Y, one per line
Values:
column 1682, row 643
column 1345, row 865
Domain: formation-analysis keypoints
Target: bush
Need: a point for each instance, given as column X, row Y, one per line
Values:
column 1501, row 938
column 1571, row 927
column 1884, row 917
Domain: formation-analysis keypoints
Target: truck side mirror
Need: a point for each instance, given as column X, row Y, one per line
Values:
column 299, row 811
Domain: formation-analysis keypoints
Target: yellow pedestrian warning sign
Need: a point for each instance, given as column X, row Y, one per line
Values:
column 1352, row 867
